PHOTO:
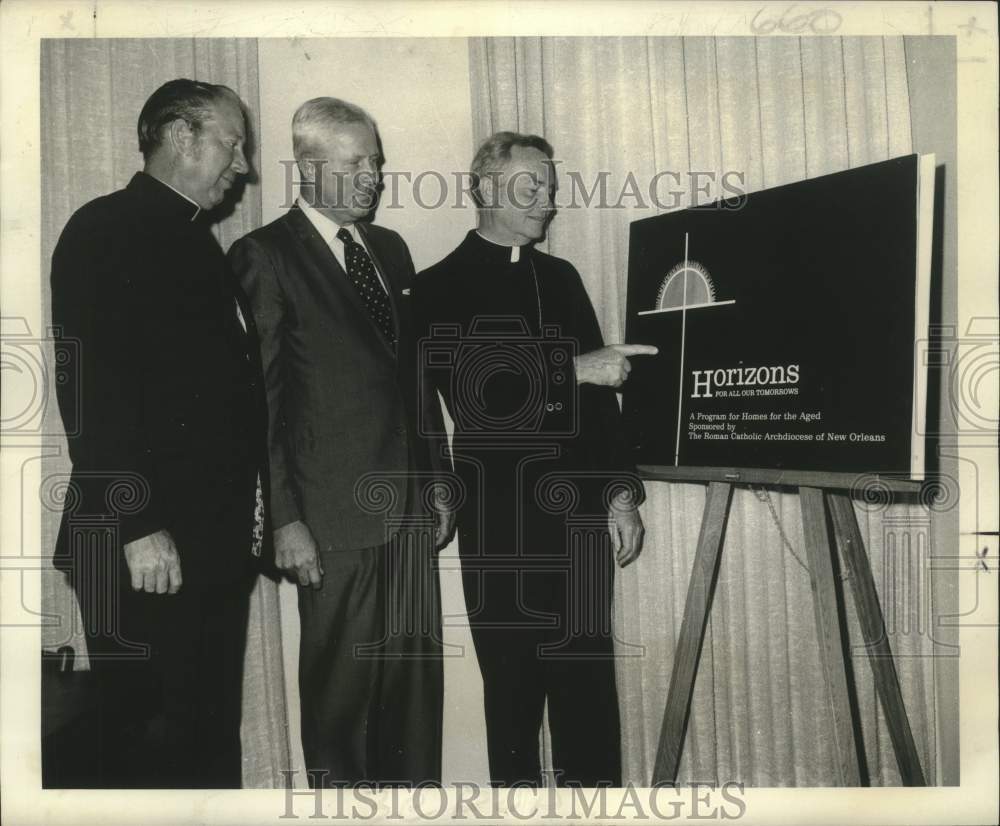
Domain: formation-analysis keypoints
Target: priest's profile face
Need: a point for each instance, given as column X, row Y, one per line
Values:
column 217, row 157
column 520, row 210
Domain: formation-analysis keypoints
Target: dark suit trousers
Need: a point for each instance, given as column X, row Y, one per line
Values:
column 538, row 588
column 370, row 669
column 168, row 670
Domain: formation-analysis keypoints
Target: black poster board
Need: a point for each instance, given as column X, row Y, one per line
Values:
column 789, row 325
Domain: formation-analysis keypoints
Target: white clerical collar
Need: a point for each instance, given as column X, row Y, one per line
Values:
column 197, row 210
column 326, row 227
column 515, row 251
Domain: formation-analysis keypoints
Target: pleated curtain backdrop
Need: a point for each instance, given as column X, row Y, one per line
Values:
column 91, row 93
column 775, row 111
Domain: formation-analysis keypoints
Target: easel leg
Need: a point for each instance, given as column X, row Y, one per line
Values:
column 824, row 586
column 696, row 610
column 847, row 536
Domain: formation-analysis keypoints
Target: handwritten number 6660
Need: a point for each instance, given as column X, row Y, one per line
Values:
column 818, row 21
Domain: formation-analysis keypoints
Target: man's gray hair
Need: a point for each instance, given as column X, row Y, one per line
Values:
column 494, row 155
column 316, row 118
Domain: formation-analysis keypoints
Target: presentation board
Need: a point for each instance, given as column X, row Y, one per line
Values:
column 791, row 325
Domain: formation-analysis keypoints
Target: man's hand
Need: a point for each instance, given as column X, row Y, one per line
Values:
column 296, row 554
column 627, row 529
column 154, row 564
column 444, row 526
column 444, row 517
column 609, row 366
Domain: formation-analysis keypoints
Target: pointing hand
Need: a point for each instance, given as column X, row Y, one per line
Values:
column 609, row 366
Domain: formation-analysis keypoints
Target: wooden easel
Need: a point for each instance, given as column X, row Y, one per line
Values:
column 819, row 493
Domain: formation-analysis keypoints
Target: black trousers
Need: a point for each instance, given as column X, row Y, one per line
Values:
column 371, row 678
column 538, row 578
column 168, row 674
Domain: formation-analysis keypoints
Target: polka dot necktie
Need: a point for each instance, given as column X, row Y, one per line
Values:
column 361, row 271
column 257, row 536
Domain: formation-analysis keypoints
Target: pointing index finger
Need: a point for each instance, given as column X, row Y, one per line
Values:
column 636, row 349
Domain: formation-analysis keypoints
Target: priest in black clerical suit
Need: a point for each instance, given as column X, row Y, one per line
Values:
column 163, row 526
column 514, row 346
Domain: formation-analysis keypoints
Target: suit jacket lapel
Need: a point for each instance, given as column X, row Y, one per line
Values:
column 330, row 269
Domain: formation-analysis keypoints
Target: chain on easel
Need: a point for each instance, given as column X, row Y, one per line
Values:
column 764, row 495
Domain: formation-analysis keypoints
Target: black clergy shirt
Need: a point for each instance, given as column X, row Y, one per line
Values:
column 509, row 380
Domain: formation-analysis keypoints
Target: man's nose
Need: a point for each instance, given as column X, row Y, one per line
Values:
column 368, row 173
column 240, row 164
column 367, row 176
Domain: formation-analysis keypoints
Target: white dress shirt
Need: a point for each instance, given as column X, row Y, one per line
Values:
column 328, row 228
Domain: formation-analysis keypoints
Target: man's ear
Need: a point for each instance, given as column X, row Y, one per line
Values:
column 487, row 190
column 307, row 170
column 181, row 136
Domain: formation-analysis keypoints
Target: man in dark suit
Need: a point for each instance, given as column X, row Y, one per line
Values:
column 163, row 524
column 539, row 447
column 355, row 515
